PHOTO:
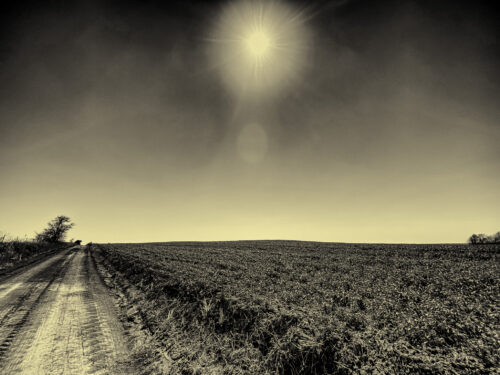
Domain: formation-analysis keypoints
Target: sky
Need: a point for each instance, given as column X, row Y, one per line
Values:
column 349, row 121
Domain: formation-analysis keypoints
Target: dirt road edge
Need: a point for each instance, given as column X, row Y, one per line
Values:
column 147, row 353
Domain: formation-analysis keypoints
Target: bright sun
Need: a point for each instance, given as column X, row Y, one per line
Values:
column 259, row 47
column 258, row 44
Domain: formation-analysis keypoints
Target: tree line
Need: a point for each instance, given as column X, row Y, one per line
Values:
column 15, row 250
column 482, row 238
column 55, row 232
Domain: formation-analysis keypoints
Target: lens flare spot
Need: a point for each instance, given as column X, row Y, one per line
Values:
column 252, row 143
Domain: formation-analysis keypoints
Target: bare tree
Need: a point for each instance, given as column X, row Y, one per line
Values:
column 473, row 239
column 56, row 230
column 482, row 238
column 495, row 238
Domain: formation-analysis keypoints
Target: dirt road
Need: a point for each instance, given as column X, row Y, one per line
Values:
column 56, row 317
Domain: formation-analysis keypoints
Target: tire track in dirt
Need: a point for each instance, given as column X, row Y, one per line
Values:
column 50, row 349
column 71, row 329
column 22, row 297
column 104, row 314
column 21, row 284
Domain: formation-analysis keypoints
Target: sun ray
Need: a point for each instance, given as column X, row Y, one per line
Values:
column 259, row 46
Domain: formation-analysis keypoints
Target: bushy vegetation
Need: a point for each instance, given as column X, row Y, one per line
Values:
column 315, row 308
column 56, row 230
column 482, row 238
column 14, row 251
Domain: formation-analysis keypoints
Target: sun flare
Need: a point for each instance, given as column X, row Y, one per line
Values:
column 259, row 47
column 258, row 44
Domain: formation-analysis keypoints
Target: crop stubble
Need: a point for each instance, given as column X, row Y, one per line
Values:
column 303, row 307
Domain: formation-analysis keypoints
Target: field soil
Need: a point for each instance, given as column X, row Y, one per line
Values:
column 56, row 317
column 253, row 307
column 286, row 307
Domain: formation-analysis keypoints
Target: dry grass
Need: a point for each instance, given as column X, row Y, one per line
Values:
column 15, row 252
column 314, row 308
